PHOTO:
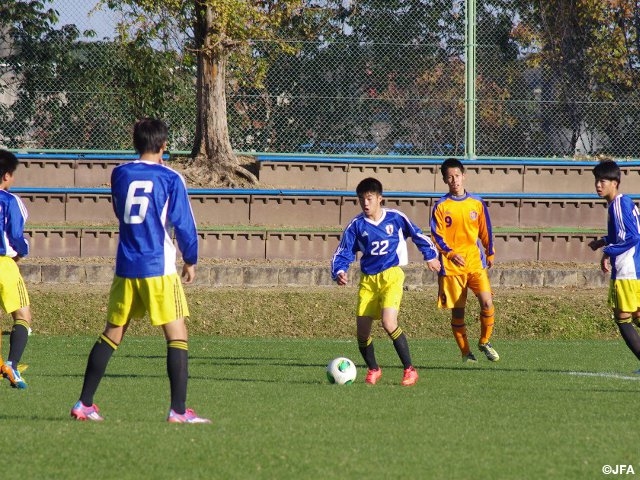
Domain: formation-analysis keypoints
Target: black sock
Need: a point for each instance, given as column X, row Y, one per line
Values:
column 178, row 371
column 401, row 345
column 96, row 366
column 368, row 353
column 18, row 341
column 631, row 337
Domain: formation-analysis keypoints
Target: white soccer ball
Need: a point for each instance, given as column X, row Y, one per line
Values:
column 341, row 371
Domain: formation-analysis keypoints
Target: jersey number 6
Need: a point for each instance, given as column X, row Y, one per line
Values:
column 141, row 200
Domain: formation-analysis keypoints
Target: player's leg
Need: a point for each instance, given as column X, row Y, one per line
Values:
column 175, row 334
column 19, row 334
column 99, row 357
column 367, row 309
column 391, row 289
column 479, row 284
column 624, row 300
column 167, row 306
column 452, row 293
column 365, row 342
column 636, row 321
column 14, row 299
column 628, row 332
column 123, row 304
column 401, row 345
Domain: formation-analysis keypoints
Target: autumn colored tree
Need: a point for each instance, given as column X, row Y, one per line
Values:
column 588, row 52
column 210, row 32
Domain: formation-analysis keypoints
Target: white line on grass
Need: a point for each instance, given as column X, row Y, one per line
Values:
column 604, row 375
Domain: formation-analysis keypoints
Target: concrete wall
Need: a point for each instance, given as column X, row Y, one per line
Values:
column 301, row 245
column 247, row 274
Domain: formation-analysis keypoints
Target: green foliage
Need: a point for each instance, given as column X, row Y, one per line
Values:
column 553, row 77
column 589, row 51
column 73, row 94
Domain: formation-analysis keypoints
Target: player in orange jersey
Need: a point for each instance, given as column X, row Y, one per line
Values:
column 461, row 229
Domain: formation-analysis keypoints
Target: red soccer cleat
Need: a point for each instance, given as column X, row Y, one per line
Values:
column 410, row 377
column 373, row 375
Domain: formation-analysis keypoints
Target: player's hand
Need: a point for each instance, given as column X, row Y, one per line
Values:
column 434, row 265
column 605, row 265
column 596, row 244
column 188, row 273
column 489, row 262
column 458, row 260
column 341, row 278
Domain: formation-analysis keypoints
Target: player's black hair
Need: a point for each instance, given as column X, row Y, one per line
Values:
column 149, row 135
column 607, row 170
column 8, row 162
column 369, row 185
column 450, row 163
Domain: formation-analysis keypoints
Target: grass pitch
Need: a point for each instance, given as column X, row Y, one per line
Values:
column 548, row 409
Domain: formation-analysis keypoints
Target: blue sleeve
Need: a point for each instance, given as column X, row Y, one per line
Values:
column 184, row 224
column 626, row 228
column 15, row 229
column 345, row 254
column 424, row 243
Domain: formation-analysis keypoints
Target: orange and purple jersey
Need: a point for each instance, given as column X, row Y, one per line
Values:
column 462, row 226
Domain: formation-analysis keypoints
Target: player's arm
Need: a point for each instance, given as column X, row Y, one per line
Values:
column 485, row 234
column 344, row 255
column 439, row 222
column 604, row 240
column 605, row 263
column 626, row 226
column 424, row 244
column 597, row 243
column 181, row 216
column 188, row 273
column 15, row 228
column 437, row 225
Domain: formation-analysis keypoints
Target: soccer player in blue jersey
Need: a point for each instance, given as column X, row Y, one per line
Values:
column 14, row 298
column 620, row 253
column 380, row 235
column 150, row 201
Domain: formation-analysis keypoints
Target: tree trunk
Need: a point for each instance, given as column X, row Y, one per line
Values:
column 212, row 149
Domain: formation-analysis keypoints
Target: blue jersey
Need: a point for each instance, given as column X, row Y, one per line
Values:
column 151, row 202
column 13, row 215
column 622, row 242
column 382, row 244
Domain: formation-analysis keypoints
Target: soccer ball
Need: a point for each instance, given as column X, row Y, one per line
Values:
column 341, row 371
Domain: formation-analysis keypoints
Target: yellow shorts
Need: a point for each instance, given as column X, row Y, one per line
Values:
column 624, row 295
column 163, row 297
column 382, row 290
column 452, row 289
column 13, row 292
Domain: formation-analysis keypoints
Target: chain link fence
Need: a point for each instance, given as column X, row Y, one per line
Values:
column 385, row 82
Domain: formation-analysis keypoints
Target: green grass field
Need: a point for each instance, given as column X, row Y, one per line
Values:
column 549, row 409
